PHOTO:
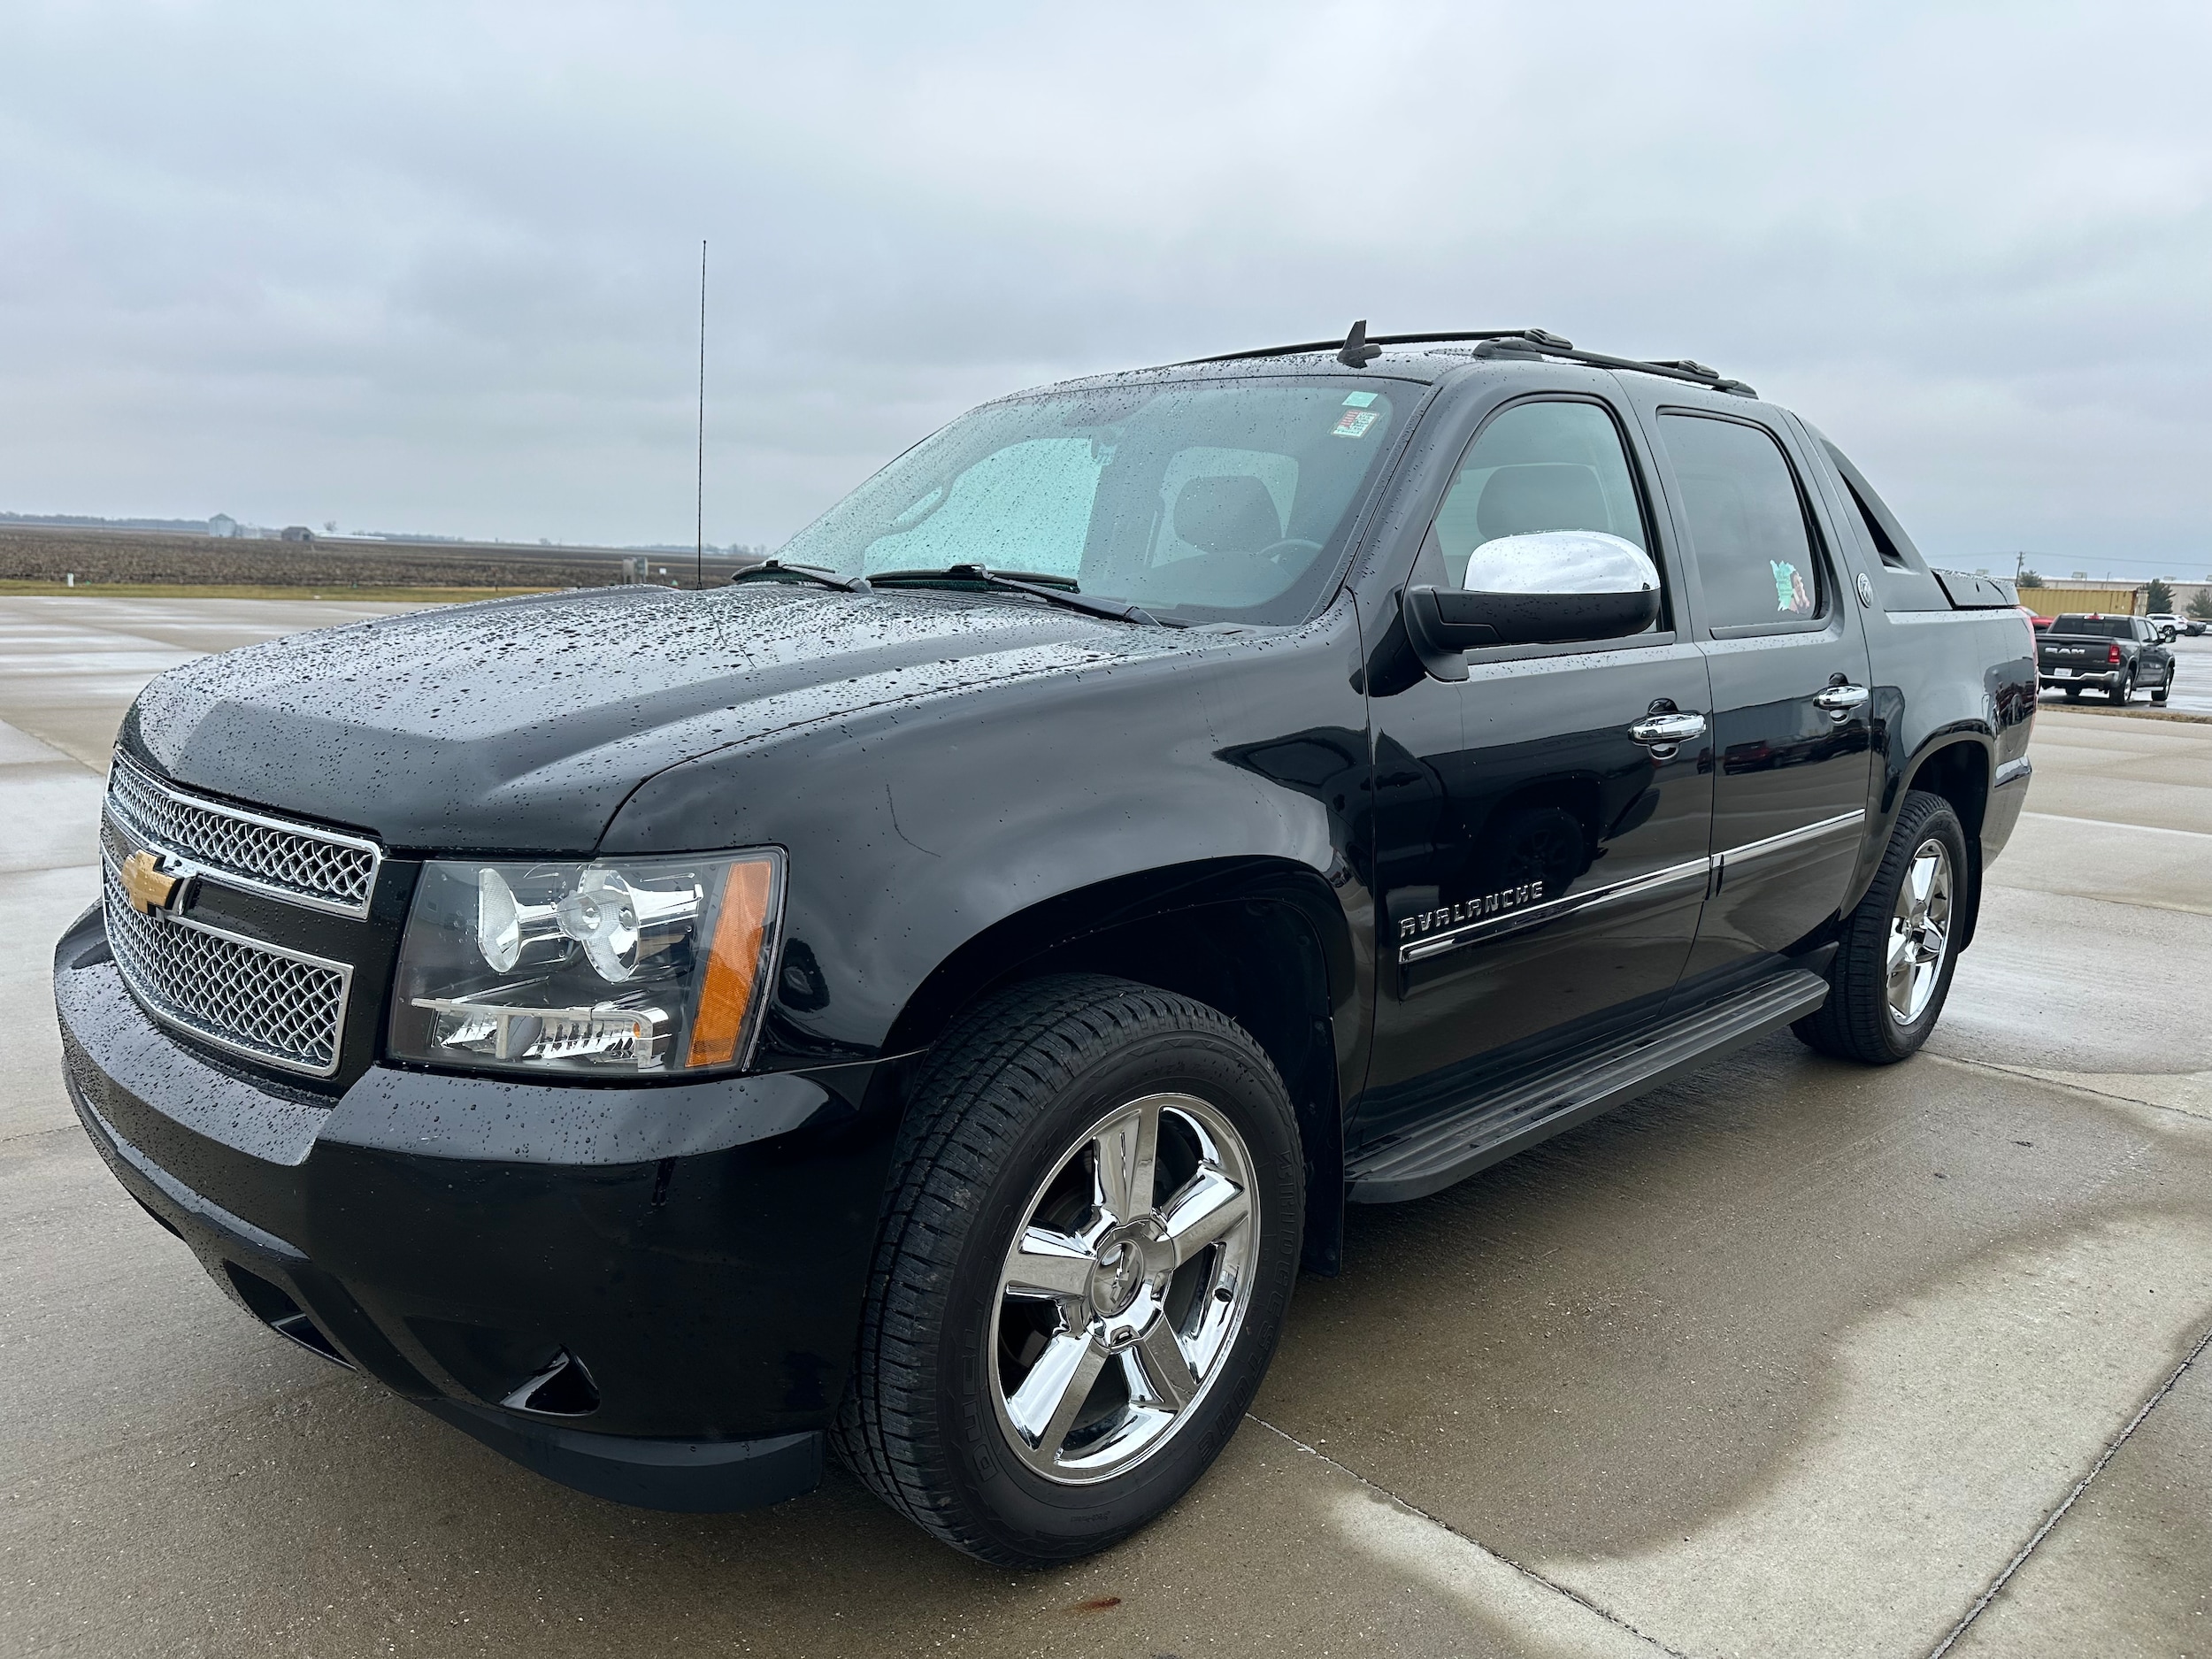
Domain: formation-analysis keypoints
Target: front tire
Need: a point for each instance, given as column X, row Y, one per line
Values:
column 2166, row 690
column 1892, row 969
column 1086, row 1258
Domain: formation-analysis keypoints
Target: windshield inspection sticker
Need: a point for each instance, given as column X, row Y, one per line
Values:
column 1354, row 423
column 1789, row 589
column 1358, row 400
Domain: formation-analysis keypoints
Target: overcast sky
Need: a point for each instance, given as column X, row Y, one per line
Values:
column 434, row 267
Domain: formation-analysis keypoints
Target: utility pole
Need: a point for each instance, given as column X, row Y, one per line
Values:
column 699, row 477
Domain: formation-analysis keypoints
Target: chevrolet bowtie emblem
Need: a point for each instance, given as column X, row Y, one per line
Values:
column 150, row 889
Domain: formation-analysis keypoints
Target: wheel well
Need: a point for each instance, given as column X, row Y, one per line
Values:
column 1960, row 773
column 1259, row 961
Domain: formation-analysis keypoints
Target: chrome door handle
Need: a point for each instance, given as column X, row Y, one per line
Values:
column 1667, row 728
column 1839, row 700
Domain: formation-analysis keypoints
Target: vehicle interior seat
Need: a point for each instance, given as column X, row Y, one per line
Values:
column 1227, row 514
column 1541, row 496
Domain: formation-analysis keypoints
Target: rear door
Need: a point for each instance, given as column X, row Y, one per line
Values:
column 1786, row 657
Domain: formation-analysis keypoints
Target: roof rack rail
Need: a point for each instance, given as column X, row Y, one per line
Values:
column 1489, row 343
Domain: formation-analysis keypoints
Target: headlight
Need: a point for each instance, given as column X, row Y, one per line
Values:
column 615, row 967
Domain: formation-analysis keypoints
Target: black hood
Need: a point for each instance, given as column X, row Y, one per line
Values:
column 522, row 725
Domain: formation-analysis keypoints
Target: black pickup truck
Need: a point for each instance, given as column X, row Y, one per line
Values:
column 930, row 997
column 2119, row 656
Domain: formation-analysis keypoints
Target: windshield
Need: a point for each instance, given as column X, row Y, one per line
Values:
column 2108, row 627
column 1204, row 501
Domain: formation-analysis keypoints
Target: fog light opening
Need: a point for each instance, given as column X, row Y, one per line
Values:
column 271, row 1305
column 560, row 1388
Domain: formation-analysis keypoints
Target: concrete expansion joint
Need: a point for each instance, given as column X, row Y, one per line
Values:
column 1982, row 1602
column 2117, row 824
column 1530, row 1573
column 60, row 1136
column 2076, row 1088
column 2164, row 907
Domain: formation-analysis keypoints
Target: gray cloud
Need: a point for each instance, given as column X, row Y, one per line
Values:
column 432, row 267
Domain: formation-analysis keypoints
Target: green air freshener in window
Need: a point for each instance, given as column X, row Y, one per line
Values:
column 1789, row 589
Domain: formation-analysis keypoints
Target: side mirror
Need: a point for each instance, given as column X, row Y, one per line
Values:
column 1551, row 588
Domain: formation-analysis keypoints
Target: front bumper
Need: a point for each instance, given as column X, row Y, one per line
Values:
column 649, row 1294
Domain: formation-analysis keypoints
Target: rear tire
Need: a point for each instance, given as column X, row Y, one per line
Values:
column 956, row 1416
column 2121, row 692
column 2073, row 693
column 1892, row 969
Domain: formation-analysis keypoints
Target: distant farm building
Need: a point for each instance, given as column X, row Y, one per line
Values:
column 222, row 523
column 298, row 533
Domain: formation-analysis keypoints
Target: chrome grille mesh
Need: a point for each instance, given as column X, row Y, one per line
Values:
column 332, row 871
column 274, row 1004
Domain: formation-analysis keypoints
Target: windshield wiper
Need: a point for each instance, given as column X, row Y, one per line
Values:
column 1065, row 597
column 805, row 572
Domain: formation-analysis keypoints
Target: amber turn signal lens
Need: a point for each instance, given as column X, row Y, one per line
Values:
column 732, row 964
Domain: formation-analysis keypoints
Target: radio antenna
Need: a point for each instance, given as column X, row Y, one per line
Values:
column 699, row 479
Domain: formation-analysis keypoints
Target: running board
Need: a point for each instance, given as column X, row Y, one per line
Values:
column 1522, row 1110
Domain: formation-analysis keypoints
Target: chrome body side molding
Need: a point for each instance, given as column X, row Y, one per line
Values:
column 1693, row 869
column 1552, row 910
column 1843, row 823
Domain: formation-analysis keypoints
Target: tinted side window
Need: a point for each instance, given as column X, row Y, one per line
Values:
column 1746, row 523
column 1875, row 534
column 1538, row 466
column 1889, row 537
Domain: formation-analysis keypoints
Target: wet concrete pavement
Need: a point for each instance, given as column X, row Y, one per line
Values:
column 1794, row 1358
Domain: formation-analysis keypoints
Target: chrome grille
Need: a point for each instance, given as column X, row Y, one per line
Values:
column 281, row 1006
column 309, row 866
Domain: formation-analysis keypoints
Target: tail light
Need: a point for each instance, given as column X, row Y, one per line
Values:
column 2112, row 654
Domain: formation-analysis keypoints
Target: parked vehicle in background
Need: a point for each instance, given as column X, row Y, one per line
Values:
column 2193, row 627
column 2119, row 656
column 2041, row 625
column 2167, row 624
column 933, row 1008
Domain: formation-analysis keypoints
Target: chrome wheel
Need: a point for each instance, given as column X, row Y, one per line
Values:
column 1122, row 1296
column 1919, row 932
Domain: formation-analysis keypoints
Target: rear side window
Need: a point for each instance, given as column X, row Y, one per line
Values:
column 1539, row 467
column 1875, row 534
column 1748, row 533
column 1884, row 533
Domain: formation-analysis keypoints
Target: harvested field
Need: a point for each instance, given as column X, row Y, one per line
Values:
column 107, row 558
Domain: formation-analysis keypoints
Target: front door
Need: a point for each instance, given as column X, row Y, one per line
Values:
column 1541, row 851
column 1792, row 712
